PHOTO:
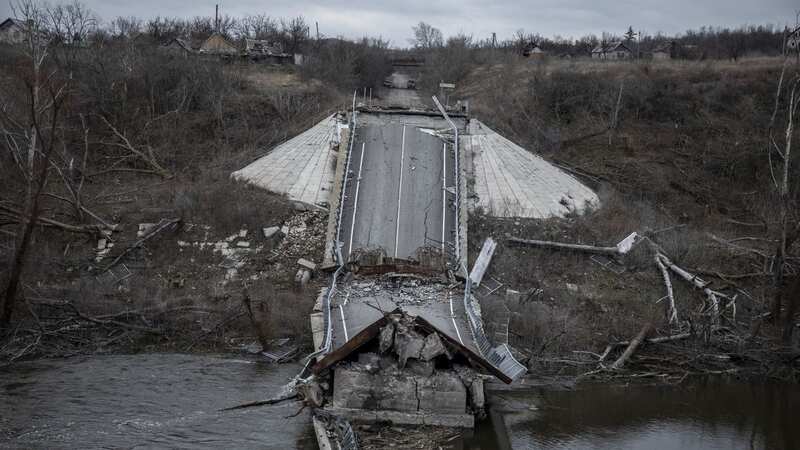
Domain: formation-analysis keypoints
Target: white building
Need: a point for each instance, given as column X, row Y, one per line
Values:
column 11, row 31
column 614, row 50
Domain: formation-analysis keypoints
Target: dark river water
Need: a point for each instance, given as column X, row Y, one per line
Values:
column 147, row 401
column 699, row 415
column 173, row 401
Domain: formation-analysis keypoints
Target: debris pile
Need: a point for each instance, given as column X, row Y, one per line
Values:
column 304, row 235
column 408, row 377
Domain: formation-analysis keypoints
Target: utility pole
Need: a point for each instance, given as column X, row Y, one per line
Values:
column 494, row 39
column 317, row 24
column 216, row 18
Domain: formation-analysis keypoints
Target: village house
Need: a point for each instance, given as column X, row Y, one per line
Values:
column 613, row 51
column 266, row 51
column 793, row 40
column 217, row 44
column 533, row 51
column 11, row 31
column 666, row 51
column 181, row 46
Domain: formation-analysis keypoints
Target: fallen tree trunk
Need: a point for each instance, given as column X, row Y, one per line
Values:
column 161, row 226
column 16, row 214
column 713, row 296
column 614, row 251
column 672, row 310
column 632, row 346
column 657, row 340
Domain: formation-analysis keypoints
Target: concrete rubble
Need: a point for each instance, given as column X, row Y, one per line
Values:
column 409, row 378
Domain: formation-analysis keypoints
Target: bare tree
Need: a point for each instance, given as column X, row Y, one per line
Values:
column 780, row 155
column 46, row 95
column 426, row 37
column 70, row 23
column 295, row 33
column 125, row 27
column 258, row 26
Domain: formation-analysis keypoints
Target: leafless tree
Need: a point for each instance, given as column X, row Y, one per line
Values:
column 125, row 27
column 780, row 155
column 295, row 33
column 37, row 134
column 258, row 26
column 70, row 23
column 426, row 37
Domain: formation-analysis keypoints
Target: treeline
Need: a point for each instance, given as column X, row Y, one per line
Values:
column 706, row 42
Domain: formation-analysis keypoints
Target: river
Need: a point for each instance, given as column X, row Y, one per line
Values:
column 148, row 401
column 173, row 401
column 713, row 414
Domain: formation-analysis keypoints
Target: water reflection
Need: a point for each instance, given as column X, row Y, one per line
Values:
column 709, row 415
column 147, row 401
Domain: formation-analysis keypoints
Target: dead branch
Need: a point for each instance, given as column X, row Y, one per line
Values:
column 736, row 247
column 125, row 144
column 563, row 246
column 672, row 311
column 712, row 295
column 17, row 215
column 656, row 340
column 110, row 322
column 271, row 401
column 632, row 346
column 161, row 226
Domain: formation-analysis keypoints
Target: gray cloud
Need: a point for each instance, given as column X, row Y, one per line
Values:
column 394, row 19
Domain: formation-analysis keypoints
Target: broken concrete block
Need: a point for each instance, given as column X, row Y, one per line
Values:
column 432, row 348
column 307, row 264
column 477, row 394
column 243, row 244
column 572, row 287
column 269, row 232
column 442, row 393
column 317, row 329
column 421, row 368
column 302, row 277
column 407, row 344
column 370, row 362
column 285, row 230
column 144, row 228
column 386, row 338
column 101, row 243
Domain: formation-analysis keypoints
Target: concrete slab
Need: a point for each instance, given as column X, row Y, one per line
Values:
column 396, row 197
column 302, row 168
column 510, row 181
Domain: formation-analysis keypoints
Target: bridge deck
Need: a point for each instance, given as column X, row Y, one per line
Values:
column 395, row 197
column 357, row 306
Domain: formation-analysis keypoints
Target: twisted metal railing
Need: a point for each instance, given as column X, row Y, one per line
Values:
column 499, row 356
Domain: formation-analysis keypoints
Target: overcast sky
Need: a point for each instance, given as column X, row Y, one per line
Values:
column 393, row 19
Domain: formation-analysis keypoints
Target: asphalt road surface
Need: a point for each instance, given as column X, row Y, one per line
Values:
column 397, row 197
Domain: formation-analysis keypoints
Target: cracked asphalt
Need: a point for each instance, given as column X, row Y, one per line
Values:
column 395, row 197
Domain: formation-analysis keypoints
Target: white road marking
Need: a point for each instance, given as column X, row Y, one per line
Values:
column 344, row 324
column 400, row 192
column 453, row 316
column 355, row 202
column 444, row 189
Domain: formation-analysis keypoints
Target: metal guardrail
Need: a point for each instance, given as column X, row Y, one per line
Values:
column 499, row 356
column 456, row 177
column 349, row 440
column 337, row 250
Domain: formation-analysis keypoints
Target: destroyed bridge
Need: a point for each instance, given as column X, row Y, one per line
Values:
column 399, row 328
